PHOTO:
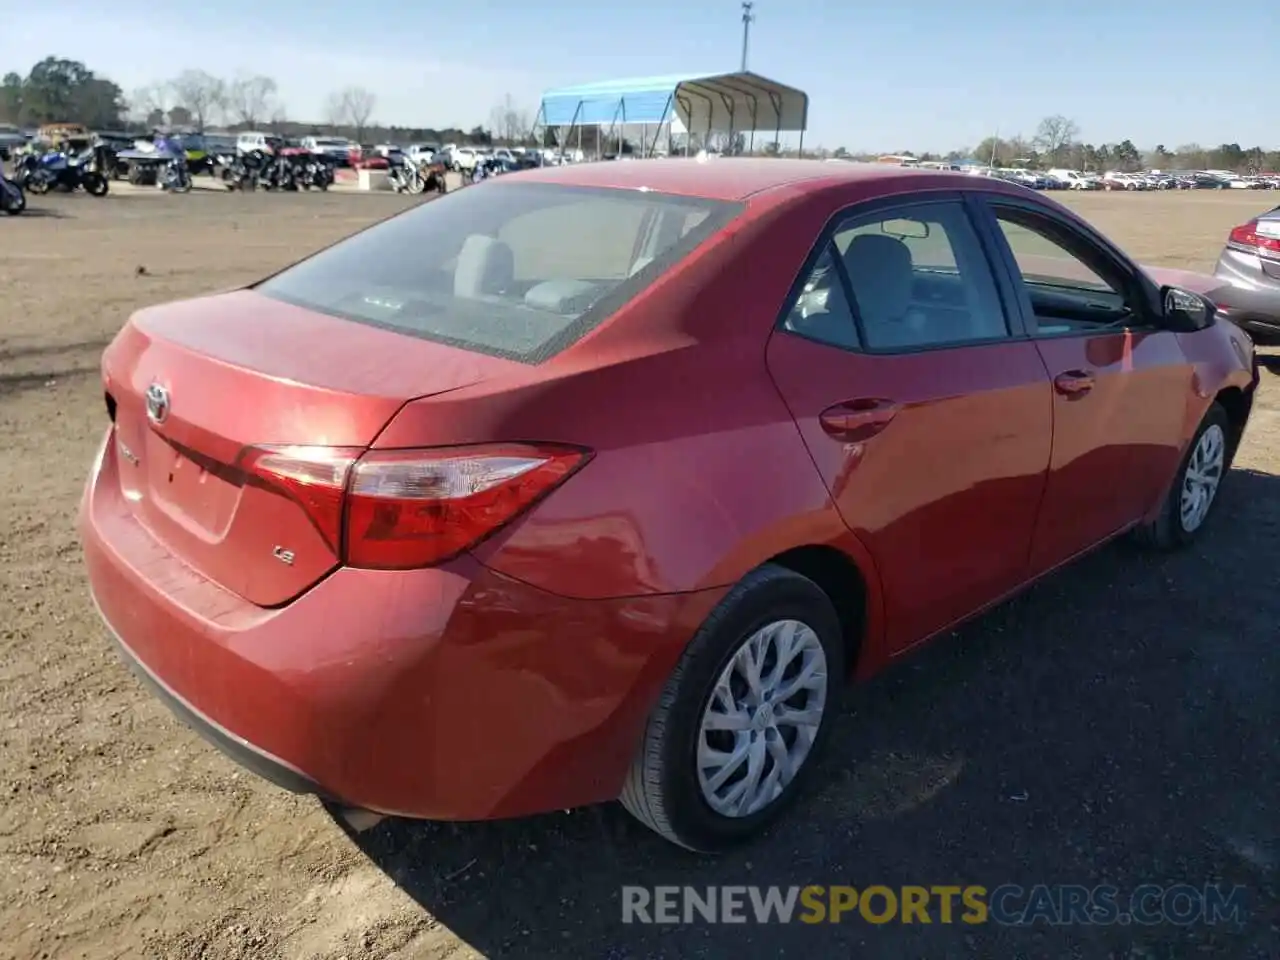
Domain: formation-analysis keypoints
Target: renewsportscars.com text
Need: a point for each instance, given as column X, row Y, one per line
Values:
column 1009, row 904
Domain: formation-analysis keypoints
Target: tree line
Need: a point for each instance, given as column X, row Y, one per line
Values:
column 59, row 90
column 1057, row 143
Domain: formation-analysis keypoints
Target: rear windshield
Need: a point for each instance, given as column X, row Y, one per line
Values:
column 516, row 270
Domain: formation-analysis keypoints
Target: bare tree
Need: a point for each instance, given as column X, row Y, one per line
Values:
column 354, row 106
column 1055, row 134
column 335, row 111
column 1021, row 148
column 202, row 94
column 521, row 125
column 498, row 118
column 250, row 98
column 146, row 102
column 508, row 122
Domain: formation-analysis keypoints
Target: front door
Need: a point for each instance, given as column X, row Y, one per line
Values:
column 929, row 422
column 1116, row 436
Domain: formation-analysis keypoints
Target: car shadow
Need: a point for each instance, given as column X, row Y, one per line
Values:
column 39, row 213
column 1114, row 724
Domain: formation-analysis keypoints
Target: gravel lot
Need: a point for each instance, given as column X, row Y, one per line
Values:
column 1116, row 724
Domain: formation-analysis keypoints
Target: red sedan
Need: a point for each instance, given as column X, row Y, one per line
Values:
column 598, row 482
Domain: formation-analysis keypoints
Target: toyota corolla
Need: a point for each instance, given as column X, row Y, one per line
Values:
column 599, row 482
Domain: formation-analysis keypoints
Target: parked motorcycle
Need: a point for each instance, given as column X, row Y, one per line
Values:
column 175, row 175
column 81, row 171
column 314, row 173
column 485, row 168
column 278, row 173
column 406, row 176
column 241, row 171
column 12, row 200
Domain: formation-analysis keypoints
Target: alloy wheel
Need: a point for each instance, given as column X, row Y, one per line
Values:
column 1202, row 477
column 762, row 718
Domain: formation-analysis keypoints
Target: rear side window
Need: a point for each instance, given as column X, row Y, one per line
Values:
column 515, row 270
column 900, row 280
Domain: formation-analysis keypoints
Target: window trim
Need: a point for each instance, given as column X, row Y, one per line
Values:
column 1137, row 287
column 840, row 219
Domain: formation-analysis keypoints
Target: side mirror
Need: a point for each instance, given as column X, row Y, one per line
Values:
column 1185, row 311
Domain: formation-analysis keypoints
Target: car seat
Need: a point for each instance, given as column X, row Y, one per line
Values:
column 882, row 275
column 486, row 268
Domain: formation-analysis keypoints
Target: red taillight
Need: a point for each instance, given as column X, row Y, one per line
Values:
column 314, row 477
column 1263, row 236
column 402, row 509
column 413, row 508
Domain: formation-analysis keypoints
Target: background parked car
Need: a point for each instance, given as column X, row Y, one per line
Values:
column 1250, row 263
column 337, row 149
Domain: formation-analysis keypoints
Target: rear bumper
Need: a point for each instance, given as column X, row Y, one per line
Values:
column 451, row 693
column 1259, row 324
column 243, row 752
column 1248, row 298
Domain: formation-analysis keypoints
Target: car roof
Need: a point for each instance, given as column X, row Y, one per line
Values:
column 732, row 178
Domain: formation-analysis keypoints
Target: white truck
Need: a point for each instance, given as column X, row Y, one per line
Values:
column 335, row 148
column 460, row 158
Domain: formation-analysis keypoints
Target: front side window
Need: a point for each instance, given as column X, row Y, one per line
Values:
column 516, row 270
column 913, row 277
column 1071, row 287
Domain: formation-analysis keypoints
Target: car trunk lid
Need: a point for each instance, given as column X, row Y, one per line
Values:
column 236, row 370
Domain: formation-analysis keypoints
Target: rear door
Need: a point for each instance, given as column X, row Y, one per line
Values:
column 926, row 411
column 1119, row 379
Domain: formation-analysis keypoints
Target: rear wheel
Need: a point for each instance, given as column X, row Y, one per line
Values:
column 14, row 201
column 1194, row 491
column 744, row 715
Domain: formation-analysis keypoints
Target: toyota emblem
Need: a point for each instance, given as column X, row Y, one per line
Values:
column 157, row 403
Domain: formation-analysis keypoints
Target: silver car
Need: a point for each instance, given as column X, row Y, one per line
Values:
column 1250, row 265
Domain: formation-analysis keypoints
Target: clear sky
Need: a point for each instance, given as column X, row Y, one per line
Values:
column 913, row 75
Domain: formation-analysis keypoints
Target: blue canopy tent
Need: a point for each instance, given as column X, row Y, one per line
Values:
column 705, row 103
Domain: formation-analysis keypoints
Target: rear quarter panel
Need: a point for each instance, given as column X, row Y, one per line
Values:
column 699, row 473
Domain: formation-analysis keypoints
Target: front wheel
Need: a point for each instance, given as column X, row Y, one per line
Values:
column 95, row 184
column 13, row 199
column 1194, row 491
column 741, row 720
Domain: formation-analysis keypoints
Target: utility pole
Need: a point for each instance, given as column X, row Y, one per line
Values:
column 747, row 18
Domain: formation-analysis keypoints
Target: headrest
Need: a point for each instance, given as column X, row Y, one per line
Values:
column 486, row 267
column 880, row 271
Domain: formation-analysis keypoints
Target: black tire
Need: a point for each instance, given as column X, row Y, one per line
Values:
column 1169, row 531
column 16, row 204
column 662, row 789
column 96, row 185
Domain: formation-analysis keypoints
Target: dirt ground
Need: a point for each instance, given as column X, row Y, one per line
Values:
column 1116, row 724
